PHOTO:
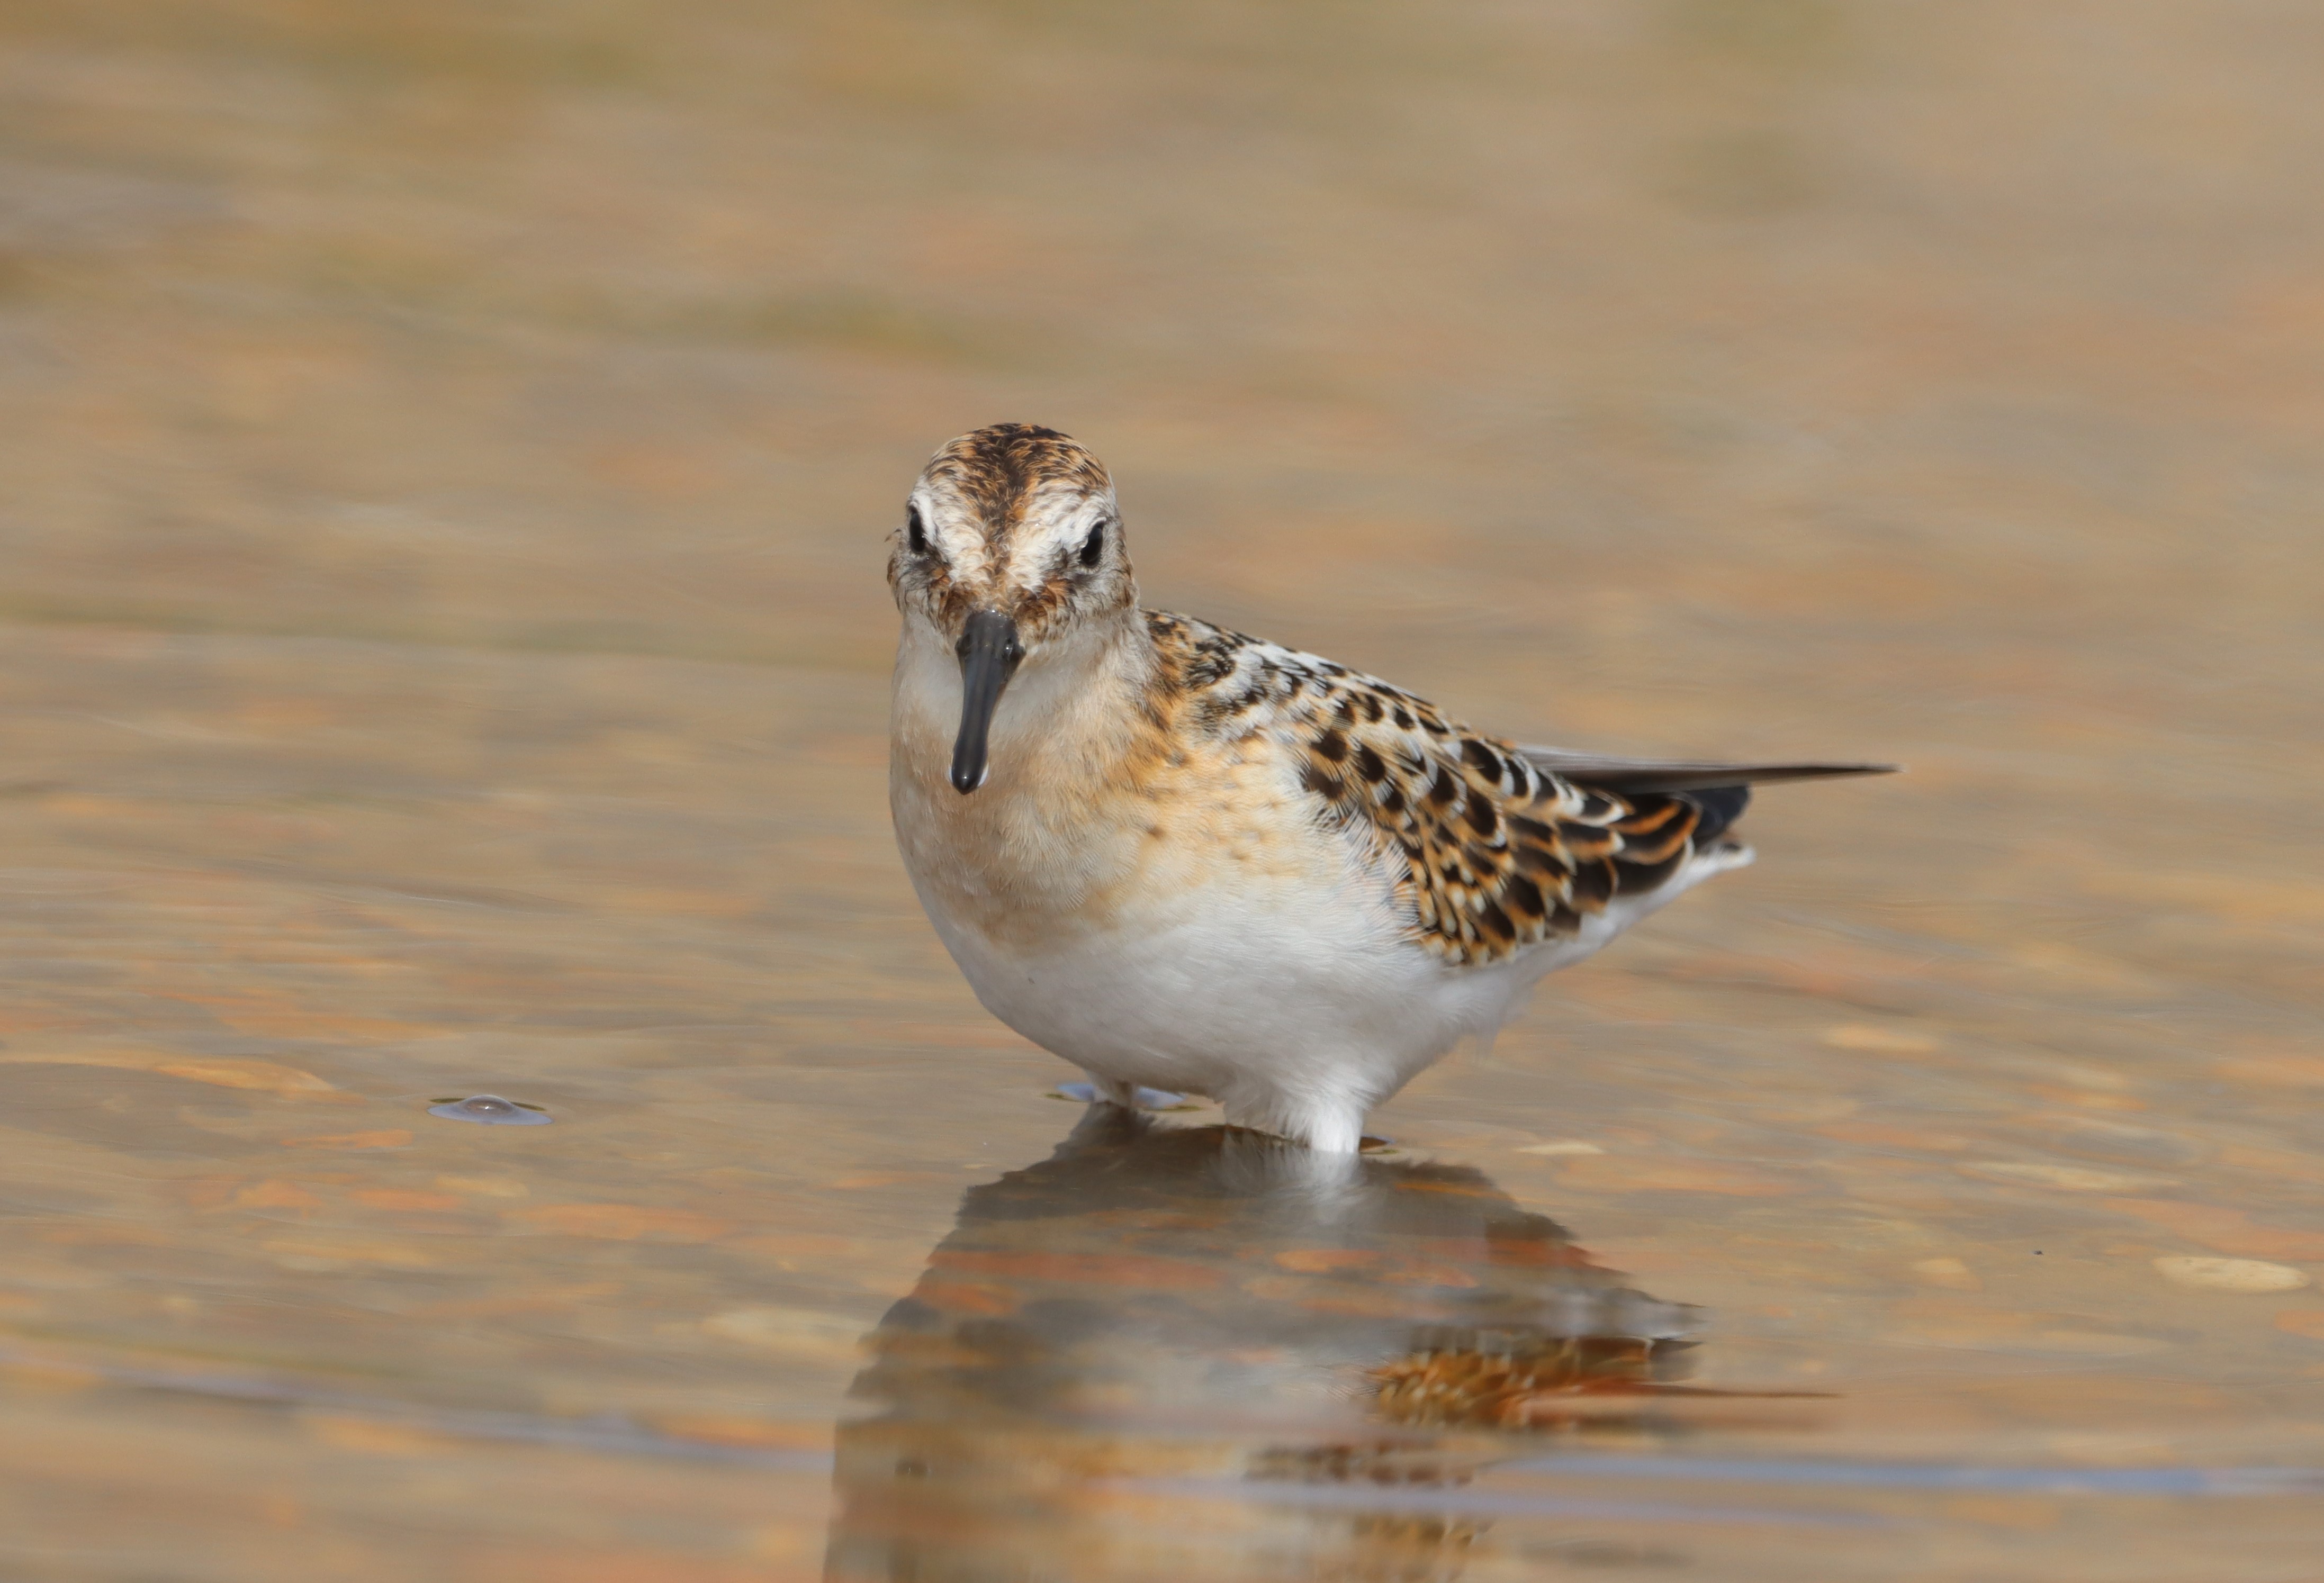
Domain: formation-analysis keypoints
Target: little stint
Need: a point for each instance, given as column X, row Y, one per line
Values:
column 1187, row 859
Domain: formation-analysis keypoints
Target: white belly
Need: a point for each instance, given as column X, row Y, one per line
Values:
column 1296, row 1005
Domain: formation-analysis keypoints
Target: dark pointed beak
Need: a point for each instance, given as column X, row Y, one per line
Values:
column 989, row 654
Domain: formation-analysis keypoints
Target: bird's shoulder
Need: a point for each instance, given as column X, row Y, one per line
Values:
column 1491, row 852
column 1228, row 684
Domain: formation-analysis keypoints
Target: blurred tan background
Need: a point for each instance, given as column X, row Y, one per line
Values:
column 1576, row 330
column 448, row 449
column 1929, row 382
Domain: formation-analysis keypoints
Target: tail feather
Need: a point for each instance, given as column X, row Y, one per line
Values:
column 1721, row 807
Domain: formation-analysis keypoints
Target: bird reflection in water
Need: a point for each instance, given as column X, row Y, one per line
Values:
column 1155, row 1304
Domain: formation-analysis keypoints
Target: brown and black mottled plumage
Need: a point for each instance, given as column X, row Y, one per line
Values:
column 1494, row 850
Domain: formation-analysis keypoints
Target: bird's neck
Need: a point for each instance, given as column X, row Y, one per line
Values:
column 1055, row 823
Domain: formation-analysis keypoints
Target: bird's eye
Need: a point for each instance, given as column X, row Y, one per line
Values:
column 1094, row 546
column 916, row 532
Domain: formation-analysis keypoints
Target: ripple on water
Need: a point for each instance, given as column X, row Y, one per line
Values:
column 492, row 1110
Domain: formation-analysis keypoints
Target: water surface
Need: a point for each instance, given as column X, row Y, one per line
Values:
column 442, row 655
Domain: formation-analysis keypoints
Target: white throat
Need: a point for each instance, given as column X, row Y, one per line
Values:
column 1067, row 713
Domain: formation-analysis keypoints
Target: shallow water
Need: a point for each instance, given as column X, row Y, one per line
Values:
column 443, row 653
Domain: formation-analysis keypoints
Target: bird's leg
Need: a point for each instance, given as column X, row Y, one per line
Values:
column 1327, row 1119
column 1337, row 1130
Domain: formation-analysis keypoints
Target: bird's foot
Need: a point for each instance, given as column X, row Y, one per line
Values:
column 1089, row 1093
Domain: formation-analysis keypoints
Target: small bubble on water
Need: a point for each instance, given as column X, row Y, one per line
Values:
column 491, row 1110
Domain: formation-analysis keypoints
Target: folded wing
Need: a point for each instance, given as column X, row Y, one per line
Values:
column 1494, row 847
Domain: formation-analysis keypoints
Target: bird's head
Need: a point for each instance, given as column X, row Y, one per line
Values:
column 1009, row 549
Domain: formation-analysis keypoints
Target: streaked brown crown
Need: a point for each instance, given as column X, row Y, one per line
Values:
column 999, row 469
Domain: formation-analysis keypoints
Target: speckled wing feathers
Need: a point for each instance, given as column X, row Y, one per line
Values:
column 1490, row 852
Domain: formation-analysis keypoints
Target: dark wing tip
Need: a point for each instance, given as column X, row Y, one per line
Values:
column 1763, row 774
column 1674, row 774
